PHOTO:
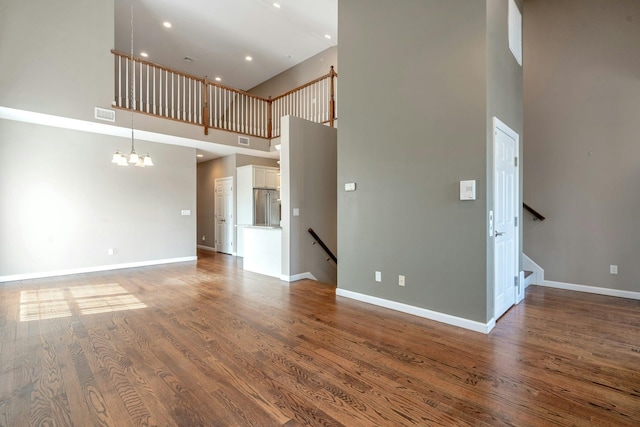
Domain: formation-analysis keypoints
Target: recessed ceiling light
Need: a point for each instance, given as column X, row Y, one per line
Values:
column 166, row 24
column 248, row 58
column 199, row 155
column 144, row 54
column 276, row 5
column 327, row 36
column 218, row 79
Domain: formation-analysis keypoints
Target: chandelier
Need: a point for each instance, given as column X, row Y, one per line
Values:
column 121, row 158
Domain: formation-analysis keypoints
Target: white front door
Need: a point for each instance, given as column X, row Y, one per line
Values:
column 224, row 214
column 505, row 199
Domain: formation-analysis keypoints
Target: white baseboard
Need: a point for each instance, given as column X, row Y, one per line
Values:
column 94, row 269
column 472, row 325
column 529, row 265
column 207, row 248
column 297, row 277
column 592, row 289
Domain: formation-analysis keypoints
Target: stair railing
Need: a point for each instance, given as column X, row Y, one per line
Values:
column 536, row 215
column 322, row 245
column 163, row 92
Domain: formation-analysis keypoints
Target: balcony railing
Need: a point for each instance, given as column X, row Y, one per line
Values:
column 174, row 95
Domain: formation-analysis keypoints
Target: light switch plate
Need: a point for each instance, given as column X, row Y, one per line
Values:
column 350, row 186
column 468, row 190
column 296, row 211
column 185, row 212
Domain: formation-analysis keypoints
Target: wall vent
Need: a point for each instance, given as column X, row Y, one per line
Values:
column 105, row 114
column 243, row 140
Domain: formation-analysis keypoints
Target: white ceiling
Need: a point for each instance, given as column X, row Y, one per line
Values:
column 219, row 34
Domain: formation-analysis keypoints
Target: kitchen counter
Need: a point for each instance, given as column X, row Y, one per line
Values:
column 263, row 250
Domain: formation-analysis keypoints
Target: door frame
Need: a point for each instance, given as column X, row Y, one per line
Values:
column 233, row 213
column 498, row 125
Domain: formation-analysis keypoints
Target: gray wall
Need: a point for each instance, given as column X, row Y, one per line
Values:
column 55, row 56
column 581, row 98
column 310, row 69
column 63, row 204
column 309, row 181
column 413, row 84
column 504, row 101
column 67, row 204
column 207, row 173
column 56, row 59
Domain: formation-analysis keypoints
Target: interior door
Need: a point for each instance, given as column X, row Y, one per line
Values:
column 505, row 197
column 224, row 214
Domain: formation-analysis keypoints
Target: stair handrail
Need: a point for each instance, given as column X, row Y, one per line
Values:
column 536, row 215
column 322, row 245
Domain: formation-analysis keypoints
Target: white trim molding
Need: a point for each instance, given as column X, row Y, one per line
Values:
column 207, row 248
column 529, row 264
column 297, row 277
column 460, row 322
column 592, row 289
column 538, row 273
column 125, row 132
column 94, row 269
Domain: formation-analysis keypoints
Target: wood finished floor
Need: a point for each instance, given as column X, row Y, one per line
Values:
column 209, row 345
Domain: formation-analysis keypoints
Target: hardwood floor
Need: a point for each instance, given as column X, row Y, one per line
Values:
column 210, row 344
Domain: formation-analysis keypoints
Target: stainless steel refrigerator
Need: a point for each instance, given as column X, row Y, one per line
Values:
column 266, row 207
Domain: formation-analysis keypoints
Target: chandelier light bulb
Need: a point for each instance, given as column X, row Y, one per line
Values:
column 147, row 160
column 133, row 157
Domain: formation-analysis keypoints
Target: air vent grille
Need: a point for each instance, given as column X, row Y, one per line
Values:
column 243, row 140
column 105, row 114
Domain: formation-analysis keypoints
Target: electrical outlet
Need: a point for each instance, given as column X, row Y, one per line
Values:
column 613, row 269
column 378, row 276
column 112, row 251
column 350, row 186
column 203, row 239
column 401, row 280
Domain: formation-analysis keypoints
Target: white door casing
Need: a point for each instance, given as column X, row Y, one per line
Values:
column 224, row 214
column 505, row 205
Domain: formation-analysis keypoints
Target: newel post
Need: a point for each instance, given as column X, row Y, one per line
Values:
column 205, row 108
column 332, row 101
column 269, row 118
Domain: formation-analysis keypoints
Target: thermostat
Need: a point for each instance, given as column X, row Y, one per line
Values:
column 468, row 190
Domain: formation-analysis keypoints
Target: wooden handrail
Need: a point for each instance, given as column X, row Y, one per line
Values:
column 153, row 64
column 536, row 215
column 322, row 245
column 312, row 82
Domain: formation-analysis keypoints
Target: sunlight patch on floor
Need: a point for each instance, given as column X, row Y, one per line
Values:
column 54, row 303
column 43, row 304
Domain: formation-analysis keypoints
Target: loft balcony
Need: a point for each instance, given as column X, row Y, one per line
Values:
column 159, row 91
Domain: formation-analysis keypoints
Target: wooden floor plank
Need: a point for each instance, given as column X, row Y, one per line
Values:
column 212, row 345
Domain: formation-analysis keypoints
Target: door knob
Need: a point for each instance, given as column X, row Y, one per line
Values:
column 498, row 233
